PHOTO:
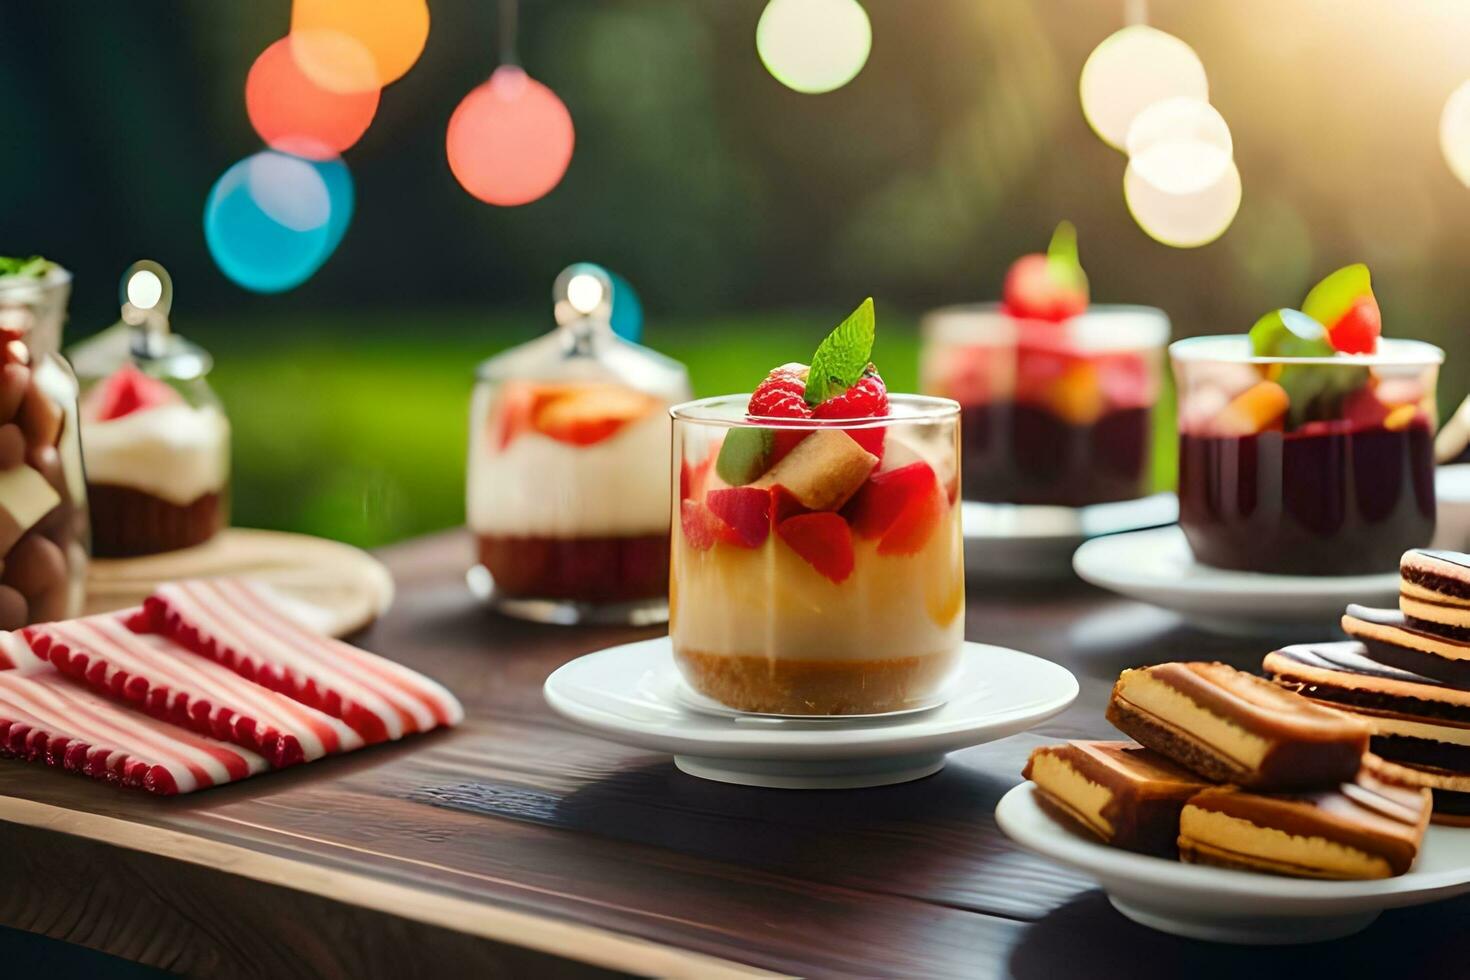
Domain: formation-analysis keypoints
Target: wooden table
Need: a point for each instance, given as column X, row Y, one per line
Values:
column 518, row 845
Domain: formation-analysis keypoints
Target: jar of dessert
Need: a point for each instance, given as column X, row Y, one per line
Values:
column 155, row 436
column 1306, row 447
column 1057, row 395
column 568, row 489
column 818, row 565
column 43, row 497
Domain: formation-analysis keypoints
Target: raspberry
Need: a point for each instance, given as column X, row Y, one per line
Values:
column 865, row 400
column 782, row 395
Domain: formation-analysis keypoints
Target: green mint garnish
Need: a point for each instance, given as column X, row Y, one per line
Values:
column 841, row 359
column 1062, row 260
column 32, row 266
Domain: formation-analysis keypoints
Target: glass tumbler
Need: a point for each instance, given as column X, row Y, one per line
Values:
column 817, row 564
column 1305, row 466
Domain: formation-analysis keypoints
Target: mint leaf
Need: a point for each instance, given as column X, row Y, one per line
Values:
column 841, row 359
column 33, row 266
column 1062, row 260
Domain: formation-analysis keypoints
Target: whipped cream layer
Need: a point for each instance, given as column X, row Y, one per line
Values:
column 175, row 452
column 538, row 486
column 769, row 602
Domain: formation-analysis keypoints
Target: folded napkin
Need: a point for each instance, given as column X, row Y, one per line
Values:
column 15, row 653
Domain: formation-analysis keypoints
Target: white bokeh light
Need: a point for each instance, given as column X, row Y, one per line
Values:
column 145, row 289
column 584, row 293
column 1454, row 132
column 814, row 46
column 1183, row 220
column 1130, row 71
column 1180, row 145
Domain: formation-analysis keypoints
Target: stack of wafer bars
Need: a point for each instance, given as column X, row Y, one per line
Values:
column 207, row 683
column 1231, row 770
column 1406, row 673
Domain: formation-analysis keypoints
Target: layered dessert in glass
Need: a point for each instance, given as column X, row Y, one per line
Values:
column 1057, row 396
column 568, row 495
column 155, row 437
column 43, row 496
column 1307, row 446
column 817, row 559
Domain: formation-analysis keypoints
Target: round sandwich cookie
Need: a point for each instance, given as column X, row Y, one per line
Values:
column 1451, row 790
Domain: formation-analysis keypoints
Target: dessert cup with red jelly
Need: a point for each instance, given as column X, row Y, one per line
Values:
column 1057, row 397
column 567, row 494
column 43, row 496
column 1307, row 446
column 155, row 437
column 817, row 560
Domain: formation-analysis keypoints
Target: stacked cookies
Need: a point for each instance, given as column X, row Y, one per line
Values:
column 1406, row 673
column 1234, row 771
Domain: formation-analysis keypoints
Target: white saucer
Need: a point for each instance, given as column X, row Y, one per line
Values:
column 1227, row 906
column 1036, row 542
column 629, row 693
column 1156, row 566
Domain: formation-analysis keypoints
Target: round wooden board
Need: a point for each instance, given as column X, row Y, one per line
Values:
column 348, row 586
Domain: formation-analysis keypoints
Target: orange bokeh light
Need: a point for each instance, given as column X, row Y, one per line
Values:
column 295, row 115
column 510, row 140
column 350, row 46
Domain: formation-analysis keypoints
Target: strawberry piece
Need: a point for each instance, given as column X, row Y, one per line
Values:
column 823, row 540
column 866, row 399
column 129, row 390
column 692, row 479
column 1358, row 330
column 700, row 525
column 1033, row 292
column 584, row 415
column 517, row 405
column 784, row 504
column 900, row 507
column 747, row 510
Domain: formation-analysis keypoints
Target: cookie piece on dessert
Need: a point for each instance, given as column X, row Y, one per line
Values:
column 823, row 471
column 1230, row 726
column 1364, row 828
column 1119, row 792
column 1434, row 592
column 1390, row 639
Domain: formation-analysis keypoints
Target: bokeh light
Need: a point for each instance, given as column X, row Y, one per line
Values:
column 1130, row 71
column 294, row 114
column 1454, row 132
column 510, row 140
column 1179, row 145
column 1183, row 220
column 348, row 46
column 272, row 219
column 814, row 46
column 627, row 309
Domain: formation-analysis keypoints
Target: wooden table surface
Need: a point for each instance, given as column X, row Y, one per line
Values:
column 517, row 845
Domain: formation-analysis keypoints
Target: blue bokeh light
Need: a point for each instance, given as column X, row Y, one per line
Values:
column 627, row 309
column 272, row 219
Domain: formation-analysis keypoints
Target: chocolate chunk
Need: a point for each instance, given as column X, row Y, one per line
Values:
column 1364, row 828
column 14, row 611
column 15, row 379
column 40, row 418
column 35, row 566
column 1230, row 726
column 12, row 446
column 1119, row 792
column 25, row 498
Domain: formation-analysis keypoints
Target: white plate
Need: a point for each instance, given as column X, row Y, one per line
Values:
column 632, row 694
column 1228, row 906
column 1452, row 488
column 1157, row 567
column 1034, row 541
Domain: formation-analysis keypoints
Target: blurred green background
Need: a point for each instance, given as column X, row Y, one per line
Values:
column 749, row 217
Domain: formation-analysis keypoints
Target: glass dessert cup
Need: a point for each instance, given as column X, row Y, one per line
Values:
column 567, row 495
column 834, row 583
column 43, row 494
column 1053, row 413
column 1305, row 465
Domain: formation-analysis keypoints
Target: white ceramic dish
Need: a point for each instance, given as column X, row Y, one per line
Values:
column 1227, row 906
column 634, row 694
column 1036, row 542
column 1157, row 567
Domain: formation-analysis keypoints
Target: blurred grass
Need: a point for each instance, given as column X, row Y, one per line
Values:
column 355, row 427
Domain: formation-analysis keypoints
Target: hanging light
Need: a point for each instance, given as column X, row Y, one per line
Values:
column 1454, row 132
column 1183, row 220
column 1130, row 71
column 1180, row 145
column 814, row 46
column 350, row 46
column 294, row 114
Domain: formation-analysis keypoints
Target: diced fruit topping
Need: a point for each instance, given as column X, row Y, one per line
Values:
column 1256, row 409
column 745, row 454
column 823, row 471
column 1344, row 304
column 1400, row 417
column 584, row 415
column 1289, row 333
column 782, row 395
column 128, row 390
column 901, row 508
column 747, row 510
column 1051, row 286
column 692, row 478
column 824, row 541
column 1076, row 396
column 700, row 525
column 513, row 416
column 867, row 398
